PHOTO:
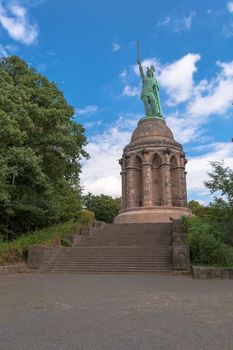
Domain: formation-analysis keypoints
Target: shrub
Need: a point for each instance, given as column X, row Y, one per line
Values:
column 66, row 243
column 209, row 249
column 226, row 255
column 206, row 240
column 85, row 217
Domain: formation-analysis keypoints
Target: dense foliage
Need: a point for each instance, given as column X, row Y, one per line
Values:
column 210, row 234
column 104, row 207
column 197, row 208
column 210, row 241
column 40, row 149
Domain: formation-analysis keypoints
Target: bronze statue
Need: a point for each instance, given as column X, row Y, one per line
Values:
column 150, row 91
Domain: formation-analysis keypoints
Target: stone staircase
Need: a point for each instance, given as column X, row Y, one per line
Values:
column 116, row 248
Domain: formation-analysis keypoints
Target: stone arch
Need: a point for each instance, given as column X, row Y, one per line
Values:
column 137, row 163
column 174, row 181
column 156, row 179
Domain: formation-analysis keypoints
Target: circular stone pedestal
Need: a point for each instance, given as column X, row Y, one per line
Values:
column 151, row 215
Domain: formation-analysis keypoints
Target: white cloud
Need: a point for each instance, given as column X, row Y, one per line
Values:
column 131, row 91
column 207, row 98
column 93, row 124
column 227, row 68
column 187, row 21
column 147, row 63
column 3, row 51
column 185, row 128
column 123, row 74
column 230, row 6
column 128, row 121
column 199, row 166
column 6, row 50
column 165, row 22
column 178, row 24
column 216, row 96
column 177, row 78
column 15, row 21
column 101, row 173
column 115, row 47
column 88, row 110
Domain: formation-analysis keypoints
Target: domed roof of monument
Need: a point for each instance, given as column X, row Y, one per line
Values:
column 151, row 128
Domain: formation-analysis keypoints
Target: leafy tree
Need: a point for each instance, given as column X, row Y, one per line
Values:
column 197, row 208
column 104, row 207
column 221, row 180
column 40, row 150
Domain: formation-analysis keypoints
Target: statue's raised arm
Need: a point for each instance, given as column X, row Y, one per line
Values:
column 141, row 70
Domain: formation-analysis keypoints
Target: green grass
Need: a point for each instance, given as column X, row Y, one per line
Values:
column 14, row 251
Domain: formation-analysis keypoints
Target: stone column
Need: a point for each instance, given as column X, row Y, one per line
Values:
column 147, row 195
column 166, row 180
column 124, row 189
column 130, row 173
column 183, row 181
column 123, row 184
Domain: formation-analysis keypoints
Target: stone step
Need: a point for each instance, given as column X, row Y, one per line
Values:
column 115, row 257
column 111, row 268
column 141, row 259
column 113, row 247
column 107, row 262
column 110, row 254
column 118, row 272
column 124, row 248
column 111, row 250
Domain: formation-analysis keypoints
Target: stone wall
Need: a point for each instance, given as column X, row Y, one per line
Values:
column 153, row 177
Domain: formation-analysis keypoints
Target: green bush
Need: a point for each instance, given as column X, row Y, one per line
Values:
column 209, row 241
column 66, row 243
column 208, row 249
column 86, row 217
column 226, row 255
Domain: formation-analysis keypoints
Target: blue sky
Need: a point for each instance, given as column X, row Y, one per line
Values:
column 88, row 48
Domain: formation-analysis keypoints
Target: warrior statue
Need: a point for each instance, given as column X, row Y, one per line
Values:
column 150, row 91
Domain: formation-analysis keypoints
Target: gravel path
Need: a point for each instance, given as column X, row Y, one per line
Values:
column 115, row 312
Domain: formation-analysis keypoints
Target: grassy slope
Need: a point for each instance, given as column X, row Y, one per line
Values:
column 15, row 251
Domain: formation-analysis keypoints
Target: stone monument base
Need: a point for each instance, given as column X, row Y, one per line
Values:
column 159, row 214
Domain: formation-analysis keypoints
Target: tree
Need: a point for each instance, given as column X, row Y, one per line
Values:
column 104, row 207
column 40, row 151
column 197, row 208
column 221, row 181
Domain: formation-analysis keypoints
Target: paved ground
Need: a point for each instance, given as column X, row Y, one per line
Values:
column 117, row 312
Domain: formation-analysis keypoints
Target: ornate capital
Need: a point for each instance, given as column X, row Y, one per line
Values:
column 167, row 151
column 145, row 151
